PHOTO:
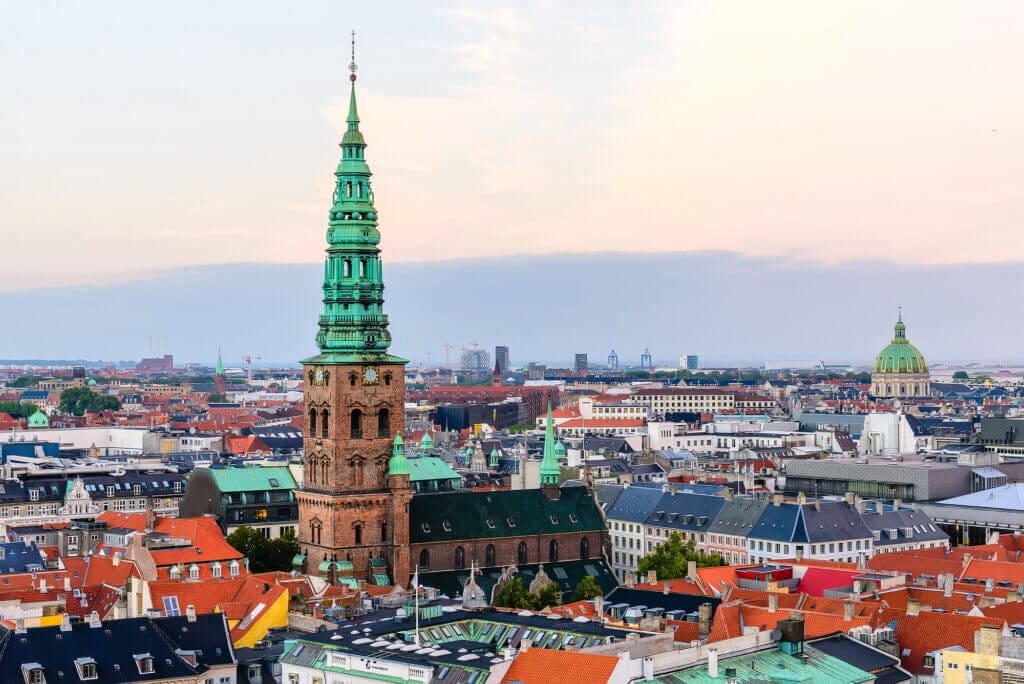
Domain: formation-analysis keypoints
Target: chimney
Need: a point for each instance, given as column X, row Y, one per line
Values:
column 966, row 560
column 652, row 576
column 19, row 626
column 848, row 607
column 691, row 571
column 67, row 583
column 987, row 640
column 1013, row 596
column 599, row 606
column 896, row 503
column 948, row 589
column 851, row 498
column 94, row 620
column 666, row 588
column 880, row 507
column 65, row 623
column 525, row 645
column 773, row 586
column 801, row 498
column 630, row 582
column 773, row 602
column 776, row 499
column 713, row 663
column 799, row 554
column 704, row 619
column 913, row 606
column 817, row 504
column 730, row 675
column 858, row 588
column 115, row 559
column 862, row 506
column 729, row 494
column 190, row 612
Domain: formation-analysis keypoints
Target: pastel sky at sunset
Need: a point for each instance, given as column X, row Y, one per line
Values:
column 138, row 137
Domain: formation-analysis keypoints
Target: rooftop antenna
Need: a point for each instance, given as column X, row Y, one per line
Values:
column 352, row 66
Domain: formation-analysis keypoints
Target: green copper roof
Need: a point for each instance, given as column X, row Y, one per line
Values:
column 353, row 327
column 253, row 479
column 38, row 420
column 399, row 464
column 900, row 356
column 549, row 470
column 494, row 456
column 220, row 364
column 559, row 449
column 427, row 468
column 427, row 442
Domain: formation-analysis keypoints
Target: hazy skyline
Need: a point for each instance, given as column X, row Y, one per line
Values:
column 140, row 137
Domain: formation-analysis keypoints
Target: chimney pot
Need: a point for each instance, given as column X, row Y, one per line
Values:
column 913, row 606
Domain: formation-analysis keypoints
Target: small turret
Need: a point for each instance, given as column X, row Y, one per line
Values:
column 398, row 464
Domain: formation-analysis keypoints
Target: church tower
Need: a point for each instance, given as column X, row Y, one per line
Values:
column 354, row 500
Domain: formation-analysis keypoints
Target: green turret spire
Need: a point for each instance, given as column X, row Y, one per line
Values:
column 220, row 364
column 549, row 470
column 398, row 463
column 353, row 327
column 494, row 457
column 427, row 443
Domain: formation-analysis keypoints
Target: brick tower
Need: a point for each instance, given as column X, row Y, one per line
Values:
column 354, row 501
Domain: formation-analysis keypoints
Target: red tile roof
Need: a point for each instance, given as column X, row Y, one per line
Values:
column 539, row 665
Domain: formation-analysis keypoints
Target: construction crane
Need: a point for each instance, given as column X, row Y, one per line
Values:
column 249, row 358
column 447, row 355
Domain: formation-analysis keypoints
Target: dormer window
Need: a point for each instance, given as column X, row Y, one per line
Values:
column 573, row 519
column 490, row 523
column 426, row 527
column 86, row 669
column 446, row 526
column 177, row 486
column 110, row 490
column 137, row 490
column 33, row 673
column 553, row 519
column 193, row 572
column 233, row 568
column 510, row 521
column 33, row 494
column 144, row 662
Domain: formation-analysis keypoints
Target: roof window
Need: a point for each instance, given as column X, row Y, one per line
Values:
column 86, row 668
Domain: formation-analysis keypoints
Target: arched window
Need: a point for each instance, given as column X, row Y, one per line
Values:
column 888, row 388
column 312, row 423
column 359, row 189
column 903, row 390
column 383, row 423
column 324, row 424
column 193, row 572
column 352, row 379
column 314, row 531
column 384, row 531
column 584, row 548
column 348, row 188
column 424, row 559
column 489, row 557
column 460, row 557
column 521, row 553
column 347, row 269
column 387, row 378
column 357, row 424
column 553, row 551
column 362, row 268
column 359, row 533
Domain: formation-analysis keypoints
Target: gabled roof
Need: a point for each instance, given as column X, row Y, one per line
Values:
column 537, row 665
column 265, row 478
column 633, row 504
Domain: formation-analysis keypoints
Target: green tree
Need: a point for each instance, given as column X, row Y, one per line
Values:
column 961, row 375
column 24, row 381
column 281, row 551
column 265, row 555
column 76, row 400
column 105, row 402
column 670, row 560
column 587, row 589
column 18, row 409
column 548, row 596
column 217, row 398
column 514, row 595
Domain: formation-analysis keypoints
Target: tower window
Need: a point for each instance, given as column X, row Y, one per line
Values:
column 362, row 268
column 384, row 423
column 359, row 189
column 357, row 424
column 346, row 268
column 324, row 424
column 460, row 557
column 489, row 557
column 553, row 551
column 521, row 554
column 312, row 423
column 584, row 548
column 359, row 534
column 348, row 188
column 425, row 559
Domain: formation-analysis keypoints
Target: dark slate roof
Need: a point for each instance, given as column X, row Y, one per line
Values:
column 616, row 445
column 113, row 646
column 686, row 512
column 20, row 557
column 738, row 516
column 884, row 666
column 280, row 438
column 836, row 521
column 606, row 493
column 924, row 528
column 781, row 523
column 566, row 574
column 657, row 599
column 634, row 504
column 647, row 469
column 448, row 516
column 54, row 488
column 615, row 466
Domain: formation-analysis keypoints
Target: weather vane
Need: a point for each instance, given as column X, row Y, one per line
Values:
column 352, row 67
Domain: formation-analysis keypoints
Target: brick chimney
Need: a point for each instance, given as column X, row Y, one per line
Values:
column 704, row 619
column 848, row 608
column 801, row 498
column 773, row 603
column 913, row 606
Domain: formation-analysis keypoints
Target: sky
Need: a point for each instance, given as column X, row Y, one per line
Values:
column 140, row 137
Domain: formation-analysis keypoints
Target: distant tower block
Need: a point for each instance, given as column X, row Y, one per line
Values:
column 689, row 362
column 580, row 363
column 647, row 359
column 613, row 360
column 501, row 358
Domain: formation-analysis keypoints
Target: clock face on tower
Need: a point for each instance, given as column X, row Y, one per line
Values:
column 371, row 376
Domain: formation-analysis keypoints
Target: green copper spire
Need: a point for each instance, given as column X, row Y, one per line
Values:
column 220, row 364
column 549, row 470
column 353, row 327
column 427, row 443
column 494, row 457
column 398, row 464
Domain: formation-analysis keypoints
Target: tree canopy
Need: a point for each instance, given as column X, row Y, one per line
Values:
column 18, row 409
column 670, row 560
column 961, row 375
column 265, row 555
column 515, row 595
column 586, row 589
column 78, row 400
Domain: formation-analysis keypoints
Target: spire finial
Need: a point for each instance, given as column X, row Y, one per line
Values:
column 900, row 314
column 352, row 66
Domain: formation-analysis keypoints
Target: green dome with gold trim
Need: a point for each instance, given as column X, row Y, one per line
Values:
column 900, row 356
